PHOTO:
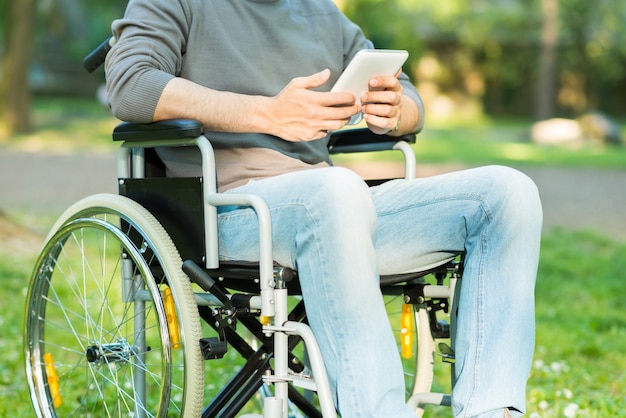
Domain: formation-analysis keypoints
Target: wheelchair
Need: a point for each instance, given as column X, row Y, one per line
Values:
column 130, row 311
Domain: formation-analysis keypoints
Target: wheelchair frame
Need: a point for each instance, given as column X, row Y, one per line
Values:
column 273, row 283
column 156, row 297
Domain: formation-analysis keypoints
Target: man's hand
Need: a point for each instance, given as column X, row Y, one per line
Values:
column 382, row 104
column 299, row 113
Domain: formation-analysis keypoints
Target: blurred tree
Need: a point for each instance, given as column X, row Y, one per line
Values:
column 78, row 25
column 496, row 50
column 45, row 57
column 544, row 97
column 72, row 28
column 14, row 89
column 487, row 52
column 593, row 54
column 470, row 52
column 387, row 23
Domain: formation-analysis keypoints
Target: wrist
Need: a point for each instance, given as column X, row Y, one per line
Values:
column 398, row 123
column 396, row 130
column 261, row 109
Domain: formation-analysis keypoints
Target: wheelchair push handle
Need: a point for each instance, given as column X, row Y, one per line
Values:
column 96, row 57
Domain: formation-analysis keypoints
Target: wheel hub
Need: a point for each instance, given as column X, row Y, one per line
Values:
column 117, row 352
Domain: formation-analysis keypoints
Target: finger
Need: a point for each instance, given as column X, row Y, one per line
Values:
column 381, row 111
column 385, row 82
column 339, row 113
column 329, row 125
column 380, row 121
column 386, row 97
column 312, row 81
column 335, row 105
column 320, row 133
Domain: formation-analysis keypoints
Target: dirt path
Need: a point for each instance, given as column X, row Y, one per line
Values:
column 44, row 184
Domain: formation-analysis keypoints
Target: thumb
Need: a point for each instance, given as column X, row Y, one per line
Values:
column 312, row 81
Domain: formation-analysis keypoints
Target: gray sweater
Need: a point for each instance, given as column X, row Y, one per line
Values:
column 244, row 46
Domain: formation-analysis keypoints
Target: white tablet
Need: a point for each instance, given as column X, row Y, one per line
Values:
column 366, row 64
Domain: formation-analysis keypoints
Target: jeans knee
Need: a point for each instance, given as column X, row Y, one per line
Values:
column 342, row 194
column 518, row 192
column 342, row 187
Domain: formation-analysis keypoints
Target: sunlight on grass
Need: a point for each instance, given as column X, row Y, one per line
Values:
column 66, row 125
column 77, row 135
column 479, row 147
column 519, row 152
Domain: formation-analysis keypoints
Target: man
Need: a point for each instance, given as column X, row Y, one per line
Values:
column 257, row 74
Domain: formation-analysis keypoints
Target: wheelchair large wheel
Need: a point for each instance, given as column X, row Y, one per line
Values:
column 112, row 325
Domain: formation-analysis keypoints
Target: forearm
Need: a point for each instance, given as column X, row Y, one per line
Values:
column 297, row 113
column 217, row 110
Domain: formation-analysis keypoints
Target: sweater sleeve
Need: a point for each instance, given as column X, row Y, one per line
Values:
column 409, row 90
column 151, row 39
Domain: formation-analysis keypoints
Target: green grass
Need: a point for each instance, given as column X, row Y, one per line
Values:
column 579, row 367
column 476, row 148
column 581, row 329
column 499, row 142
column 14, row 271
column 66, row 125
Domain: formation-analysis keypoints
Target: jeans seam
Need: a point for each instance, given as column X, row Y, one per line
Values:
column 328, row 297
column 479, row 306
column 469, row 197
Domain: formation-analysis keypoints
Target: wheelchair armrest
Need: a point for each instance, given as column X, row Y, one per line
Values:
column 165, row 129
column 364, row 140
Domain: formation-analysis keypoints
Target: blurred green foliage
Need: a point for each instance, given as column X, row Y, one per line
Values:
column 490, row 49
column 482, row 52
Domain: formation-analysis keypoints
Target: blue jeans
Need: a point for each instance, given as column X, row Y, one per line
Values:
column 340, row 235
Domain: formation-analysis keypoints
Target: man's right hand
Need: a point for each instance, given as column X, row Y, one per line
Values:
column 299, row 113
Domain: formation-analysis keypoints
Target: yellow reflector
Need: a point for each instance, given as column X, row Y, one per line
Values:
column 53, row 380
column 265, row 320
column 172, row 319
column 406, row 331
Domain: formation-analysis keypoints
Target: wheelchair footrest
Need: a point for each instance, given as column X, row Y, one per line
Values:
column 213, row 348
column 447, row 353
column 301, row 381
